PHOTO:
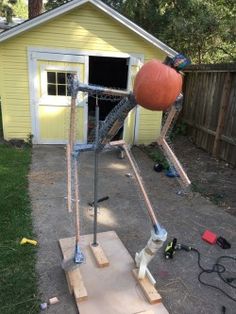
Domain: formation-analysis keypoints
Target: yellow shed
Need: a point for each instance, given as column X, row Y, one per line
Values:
column 86, row 37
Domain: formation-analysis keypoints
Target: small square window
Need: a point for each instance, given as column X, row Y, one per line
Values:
column 52, row 90
column 51, row 77
column 58, row 83
column 61, row 90
column 61, row 78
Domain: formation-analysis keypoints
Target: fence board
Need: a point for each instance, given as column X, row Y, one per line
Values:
column 203, row 91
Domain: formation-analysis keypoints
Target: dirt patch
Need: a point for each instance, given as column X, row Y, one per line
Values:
column 212, row 178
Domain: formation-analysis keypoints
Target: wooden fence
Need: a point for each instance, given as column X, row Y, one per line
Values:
column 210, row 108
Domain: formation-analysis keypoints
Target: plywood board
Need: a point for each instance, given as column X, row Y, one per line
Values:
column 112, row 289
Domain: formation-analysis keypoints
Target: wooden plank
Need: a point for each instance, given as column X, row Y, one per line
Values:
column 148, row 288
column 203, row 95
column 68, row 168
column 174, row 160
column 221, row 67
column 99, row 255
column 111, row 289
column 74, row 278
column 77, row 285
column 224, row 138
column 223, row 110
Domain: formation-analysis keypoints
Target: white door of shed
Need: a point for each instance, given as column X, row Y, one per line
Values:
column 52, row 98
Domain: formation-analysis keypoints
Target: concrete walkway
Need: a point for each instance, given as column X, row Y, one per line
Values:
column 184, row 218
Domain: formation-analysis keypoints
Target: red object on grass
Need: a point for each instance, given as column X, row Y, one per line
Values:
column 209, row 237
column 157, row 86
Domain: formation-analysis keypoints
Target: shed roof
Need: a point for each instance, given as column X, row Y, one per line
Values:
column 47, row 16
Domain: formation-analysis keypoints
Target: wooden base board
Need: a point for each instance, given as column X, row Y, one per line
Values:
column 99, row 255
column 113, row 289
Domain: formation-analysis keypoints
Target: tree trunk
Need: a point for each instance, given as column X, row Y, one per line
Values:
column 35, row 8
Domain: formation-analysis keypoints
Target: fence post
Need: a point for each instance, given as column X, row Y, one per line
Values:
column 223, row 109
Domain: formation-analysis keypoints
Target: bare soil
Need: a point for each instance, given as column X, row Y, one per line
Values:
column 214, row 179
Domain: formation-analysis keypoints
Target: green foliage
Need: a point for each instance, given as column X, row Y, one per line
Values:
column 180, row 128
column 204, row 30
column 52, row 4
column 10, row 8
column 117, row 5
column 6, row 9
column 156, row 155
column 198, row 28
column 20, row 9
column 18, row 282
column 1, row 129
column 29, row 141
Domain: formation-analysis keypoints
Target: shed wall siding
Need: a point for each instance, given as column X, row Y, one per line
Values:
column 85, row 28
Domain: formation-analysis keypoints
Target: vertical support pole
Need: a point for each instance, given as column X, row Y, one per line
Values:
column 76, row 178
column 68, row 165
column 70, row 146
column 223, row 109
column 69, row 150
column 96, row 176
column 72, row 135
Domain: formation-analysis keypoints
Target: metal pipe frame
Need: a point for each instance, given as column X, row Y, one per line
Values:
column 101, row 90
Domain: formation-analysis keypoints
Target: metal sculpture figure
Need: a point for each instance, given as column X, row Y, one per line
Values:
column 104, row 134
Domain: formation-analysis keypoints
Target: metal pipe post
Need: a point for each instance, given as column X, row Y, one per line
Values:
column 96, row 176
column 102, row 90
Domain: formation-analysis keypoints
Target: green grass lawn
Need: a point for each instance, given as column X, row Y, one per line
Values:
column 1, row 131
column 18, row 282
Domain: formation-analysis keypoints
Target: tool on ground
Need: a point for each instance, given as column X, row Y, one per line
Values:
column 170, row 249
column 209, row 236
column 218, row 267
column 29, row 241
column 102, row 199
column 173, row 246
column 223, row 243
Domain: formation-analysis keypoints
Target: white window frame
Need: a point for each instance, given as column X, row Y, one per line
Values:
column 56, row 100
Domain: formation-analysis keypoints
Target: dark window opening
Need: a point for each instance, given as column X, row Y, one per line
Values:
column 108, row 72
column 57, row 83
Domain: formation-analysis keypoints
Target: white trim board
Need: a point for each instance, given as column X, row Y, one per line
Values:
column 45, row 99
column 53, row 54
column 29, row 24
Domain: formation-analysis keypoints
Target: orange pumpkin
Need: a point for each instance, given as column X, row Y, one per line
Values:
column 157, row 86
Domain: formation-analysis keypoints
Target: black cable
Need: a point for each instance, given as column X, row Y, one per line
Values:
column 219, row 269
